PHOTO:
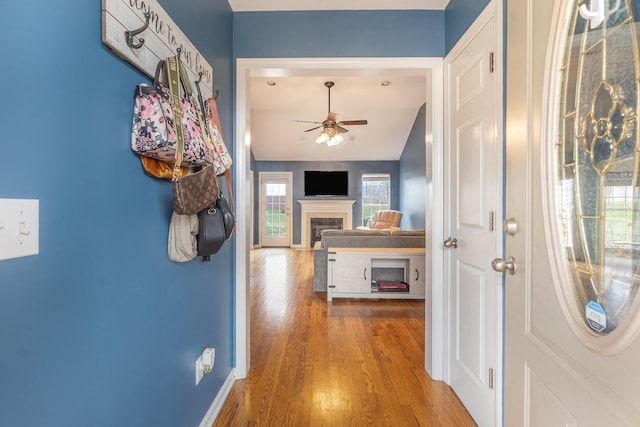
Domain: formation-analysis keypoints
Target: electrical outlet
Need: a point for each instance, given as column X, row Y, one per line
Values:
column 208, row 359
column 199, row 370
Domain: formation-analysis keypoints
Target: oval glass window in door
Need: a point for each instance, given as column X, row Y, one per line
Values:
column 593, row 185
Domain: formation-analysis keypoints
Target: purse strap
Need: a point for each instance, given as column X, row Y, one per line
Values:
column 174, row 90
column 227, row 177
column 204, row 131
column 178, row 76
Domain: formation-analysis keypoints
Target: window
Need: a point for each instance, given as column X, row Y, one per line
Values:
column 276, row 225
column 376, row 195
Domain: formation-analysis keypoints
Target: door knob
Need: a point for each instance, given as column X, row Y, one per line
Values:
column 501, row 265
column 510, row 226
column 451, row 243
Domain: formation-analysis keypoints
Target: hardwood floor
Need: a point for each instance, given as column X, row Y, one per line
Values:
column 345, row 363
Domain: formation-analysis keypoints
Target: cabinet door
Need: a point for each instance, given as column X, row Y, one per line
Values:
column 350, row 272
column 417, row 275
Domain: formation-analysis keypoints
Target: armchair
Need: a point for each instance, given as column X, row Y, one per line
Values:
column 385, row 219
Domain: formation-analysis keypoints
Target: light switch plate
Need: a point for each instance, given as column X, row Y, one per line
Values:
column 19, row 228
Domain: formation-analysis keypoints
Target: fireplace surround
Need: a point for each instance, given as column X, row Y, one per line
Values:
column 324, row 208
column 319, row 224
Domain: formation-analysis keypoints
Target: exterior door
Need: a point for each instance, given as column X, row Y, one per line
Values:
column 275, row 208
column 570, row 140
column 473, row 186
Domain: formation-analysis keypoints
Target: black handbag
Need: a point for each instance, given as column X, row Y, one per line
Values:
column 211, row 234
column 216, row 224
column 228, row 217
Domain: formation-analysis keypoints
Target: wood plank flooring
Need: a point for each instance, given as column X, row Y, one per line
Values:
column 345, row 363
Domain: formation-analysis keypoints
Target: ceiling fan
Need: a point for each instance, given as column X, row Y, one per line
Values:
column 331, row 127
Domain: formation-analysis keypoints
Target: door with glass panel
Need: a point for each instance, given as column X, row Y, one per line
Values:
column 572, row 312
column 275, row 208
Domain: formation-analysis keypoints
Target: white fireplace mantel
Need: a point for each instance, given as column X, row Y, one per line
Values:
column 323, row 209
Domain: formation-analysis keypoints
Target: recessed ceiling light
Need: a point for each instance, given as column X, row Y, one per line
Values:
column 385, row 83
column 271, row 83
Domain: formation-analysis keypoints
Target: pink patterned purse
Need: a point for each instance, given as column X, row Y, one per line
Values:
column 153, row 132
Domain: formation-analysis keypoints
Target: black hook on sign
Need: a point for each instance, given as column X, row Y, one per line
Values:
column 131, row 34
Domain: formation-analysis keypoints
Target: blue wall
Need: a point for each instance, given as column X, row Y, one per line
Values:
column 338, row 34
column 459, row 16
column 100, row 328
column 356, row 169
column 413, row 184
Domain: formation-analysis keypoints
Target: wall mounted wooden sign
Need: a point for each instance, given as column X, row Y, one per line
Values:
column 160, row 39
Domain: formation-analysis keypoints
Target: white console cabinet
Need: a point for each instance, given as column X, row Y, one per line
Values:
column 355, row 272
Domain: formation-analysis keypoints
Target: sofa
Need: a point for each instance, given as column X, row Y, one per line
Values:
column 392, row 238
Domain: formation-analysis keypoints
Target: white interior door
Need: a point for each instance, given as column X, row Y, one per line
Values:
column 557, row 371
column 473, row 207
column 275, row 208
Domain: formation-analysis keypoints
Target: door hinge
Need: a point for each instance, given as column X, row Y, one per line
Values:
column 491, row 62
column 491, row 378
column 331, row 259
column 492, row 220
column 331, row 286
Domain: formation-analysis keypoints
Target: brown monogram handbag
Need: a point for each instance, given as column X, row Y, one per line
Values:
column 195, row 192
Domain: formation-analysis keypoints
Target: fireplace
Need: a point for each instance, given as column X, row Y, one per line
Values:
column 320, row 224
column 323, row 208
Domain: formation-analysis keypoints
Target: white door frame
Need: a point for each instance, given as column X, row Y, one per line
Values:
column 431, row 68
column 289, row 202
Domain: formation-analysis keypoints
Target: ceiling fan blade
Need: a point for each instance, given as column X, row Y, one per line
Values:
column 309, row 130
column 307, row 121
column 340, row 129
column 352, row 122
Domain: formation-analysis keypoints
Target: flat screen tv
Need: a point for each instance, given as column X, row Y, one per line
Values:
column 326, row 183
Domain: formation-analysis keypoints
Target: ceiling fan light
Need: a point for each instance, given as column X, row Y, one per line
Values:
column 322, row 138
column 334, row 140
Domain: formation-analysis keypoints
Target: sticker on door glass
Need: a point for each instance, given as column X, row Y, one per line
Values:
column 596, row 317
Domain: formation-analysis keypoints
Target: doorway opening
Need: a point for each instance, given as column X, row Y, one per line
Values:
column 429, row 68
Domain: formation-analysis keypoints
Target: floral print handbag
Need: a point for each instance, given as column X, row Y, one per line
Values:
column 153, row 131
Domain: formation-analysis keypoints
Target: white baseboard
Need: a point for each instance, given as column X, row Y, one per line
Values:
column 216, row 406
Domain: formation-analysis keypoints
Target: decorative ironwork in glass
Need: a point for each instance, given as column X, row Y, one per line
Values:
column 597, row 162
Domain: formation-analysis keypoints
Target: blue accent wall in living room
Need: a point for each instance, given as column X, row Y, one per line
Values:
column 413, row 169
column 356, row 169
column 100, row 328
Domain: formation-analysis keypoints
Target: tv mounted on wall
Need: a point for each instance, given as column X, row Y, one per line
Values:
column 326, row 183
